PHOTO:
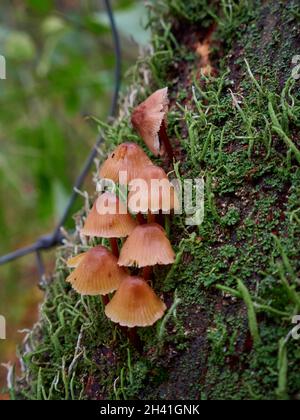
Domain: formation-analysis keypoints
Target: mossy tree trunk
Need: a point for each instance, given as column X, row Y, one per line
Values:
column 236, row 281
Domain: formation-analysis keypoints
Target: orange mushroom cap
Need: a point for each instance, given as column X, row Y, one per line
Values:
column 129, row 158
column 97, row 273
column 147, row 119
column 160, row 194
column 75, row 261
column 135, row 304
column 109, row 218
column 146, row 246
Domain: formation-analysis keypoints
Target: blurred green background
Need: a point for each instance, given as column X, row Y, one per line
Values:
column 59, row 73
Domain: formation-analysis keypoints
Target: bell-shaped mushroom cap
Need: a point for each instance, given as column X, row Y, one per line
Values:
column 135, row 304
column 109, row 218
column 98, row 273
column 157, row 194
column 146, row 246
column 129, row 158
column 147, row 119
column 75, row 261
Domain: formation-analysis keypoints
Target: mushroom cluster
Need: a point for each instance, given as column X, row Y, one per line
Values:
column 145, row 244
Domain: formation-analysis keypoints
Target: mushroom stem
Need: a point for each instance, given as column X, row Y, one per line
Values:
column 161, row 218
column 114, row 246
column 163, row 136
column 105, row 299
column 167, row 224
column 151, row 217
column 135, row 339
column 147, row 271
column 140, row 218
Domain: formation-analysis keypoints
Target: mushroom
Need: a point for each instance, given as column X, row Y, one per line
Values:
column 149, row 120
column 158, row 194
column 75, row 261
column 129, row 158
column 135, row 304
column 97, row 273
column 109, row 218
column 147, row 246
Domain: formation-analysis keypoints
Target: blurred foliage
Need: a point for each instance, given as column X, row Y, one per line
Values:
column 59, row 72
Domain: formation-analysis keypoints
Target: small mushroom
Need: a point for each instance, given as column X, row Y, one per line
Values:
column 109, row 218
column 129, row 158
column 97, row 273
column 160, row 194
column 149, row 120
column 135, row 304
column 147, row 246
